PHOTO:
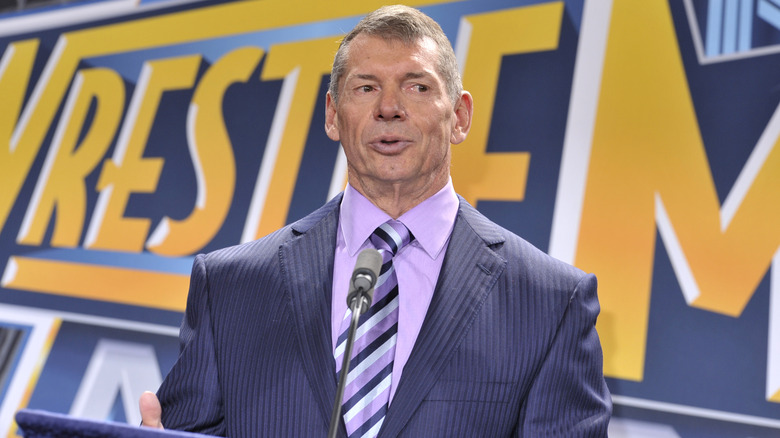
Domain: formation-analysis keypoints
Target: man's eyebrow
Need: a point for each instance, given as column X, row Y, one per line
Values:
column 371, row 77
column 416, row 75
column 365, row 77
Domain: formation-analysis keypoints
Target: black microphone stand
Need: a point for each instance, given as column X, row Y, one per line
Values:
column 358, row 306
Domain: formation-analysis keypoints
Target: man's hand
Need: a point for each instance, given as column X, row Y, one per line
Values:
column 151, row 412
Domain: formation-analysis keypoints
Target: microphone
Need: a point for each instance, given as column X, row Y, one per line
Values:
column 364, row 277
column 361, row 293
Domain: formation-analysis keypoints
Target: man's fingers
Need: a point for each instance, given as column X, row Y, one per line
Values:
column 151, row 412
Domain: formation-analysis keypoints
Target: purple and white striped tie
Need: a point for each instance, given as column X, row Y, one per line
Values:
column 367, row 390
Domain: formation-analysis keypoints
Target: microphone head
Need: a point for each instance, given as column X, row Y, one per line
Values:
column 367, row 267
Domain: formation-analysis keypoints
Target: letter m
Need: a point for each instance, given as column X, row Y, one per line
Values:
column 646, row 169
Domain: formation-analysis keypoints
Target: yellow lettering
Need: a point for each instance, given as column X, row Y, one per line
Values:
column 177, row 28
column 128, row 172
column 15, row 160
column 73, row 47
column 61, row 183
column 154, row 289
column 648, row 164
column 302, row 66
column 212, row 155
column 476, row 173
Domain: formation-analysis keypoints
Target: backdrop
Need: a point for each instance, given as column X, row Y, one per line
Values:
column 634, row 139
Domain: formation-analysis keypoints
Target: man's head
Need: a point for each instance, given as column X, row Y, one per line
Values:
column 406, row 25
column 396, row 114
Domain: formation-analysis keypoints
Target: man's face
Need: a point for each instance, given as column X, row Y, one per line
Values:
column 394, row 118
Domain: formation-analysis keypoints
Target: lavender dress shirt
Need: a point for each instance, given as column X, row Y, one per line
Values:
column 417, row 265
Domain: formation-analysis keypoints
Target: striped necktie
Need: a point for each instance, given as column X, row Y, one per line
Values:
column 367, row 390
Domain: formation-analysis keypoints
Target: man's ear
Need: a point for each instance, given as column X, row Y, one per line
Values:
column 464, row 110
column 331, row 118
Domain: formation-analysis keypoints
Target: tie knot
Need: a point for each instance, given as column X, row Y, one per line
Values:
column 391, row 236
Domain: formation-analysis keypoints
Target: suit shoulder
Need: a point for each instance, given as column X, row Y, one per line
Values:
column 523, row 258
column 266, row 248
column 254, row 250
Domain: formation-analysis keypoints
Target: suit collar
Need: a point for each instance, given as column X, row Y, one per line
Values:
column 470, row 270
column 316, row 217
column 485, row 229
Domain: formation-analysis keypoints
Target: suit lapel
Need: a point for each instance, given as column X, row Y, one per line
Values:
column 307, row 265
column 470, row 270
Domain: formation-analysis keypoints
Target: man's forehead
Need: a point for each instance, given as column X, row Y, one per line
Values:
column 394, row 40
column 422, row 59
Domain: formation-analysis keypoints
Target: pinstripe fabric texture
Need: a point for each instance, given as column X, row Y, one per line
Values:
column 367, row 390
column 508, row 347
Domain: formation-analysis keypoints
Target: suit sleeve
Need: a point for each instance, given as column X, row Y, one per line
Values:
column 569, row 397
column 190, row 395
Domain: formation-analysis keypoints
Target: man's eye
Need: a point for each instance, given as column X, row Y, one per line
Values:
column 366, row 88
column 421, row 88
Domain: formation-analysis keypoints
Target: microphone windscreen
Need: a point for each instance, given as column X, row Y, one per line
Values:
column 371, row 260
column 367, row 267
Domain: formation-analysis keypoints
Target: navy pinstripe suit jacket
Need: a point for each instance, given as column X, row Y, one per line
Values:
column 508, row 347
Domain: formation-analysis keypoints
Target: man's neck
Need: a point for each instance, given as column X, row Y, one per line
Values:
column 397, row 198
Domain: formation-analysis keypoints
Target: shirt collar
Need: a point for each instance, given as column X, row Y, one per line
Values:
column 430, row 222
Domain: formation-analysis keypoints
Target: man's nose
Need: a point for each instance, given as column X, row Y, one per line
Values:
column 390, row 106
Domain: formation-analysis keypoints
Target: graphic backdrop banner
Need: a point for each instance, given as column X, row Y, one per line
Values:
column 634, row 139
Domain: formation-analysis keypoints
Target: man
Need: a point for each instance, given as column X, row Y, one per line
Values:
column 493, row 337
